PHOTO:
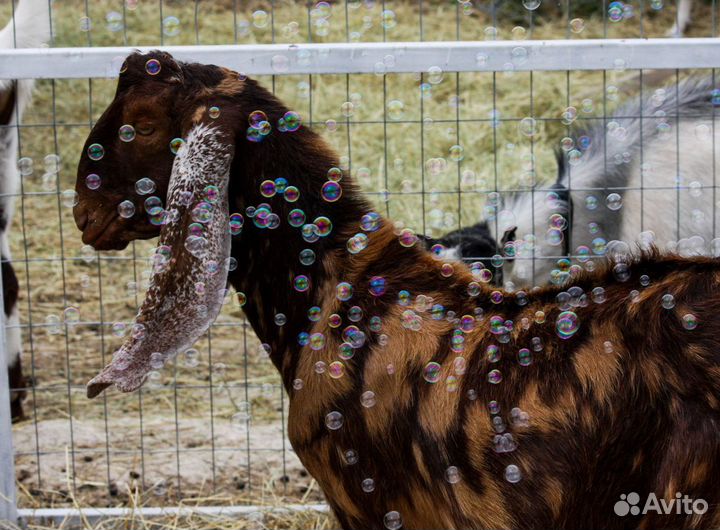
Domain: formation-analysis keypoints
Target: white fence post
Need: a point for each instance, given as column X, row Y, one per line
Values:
column 8, row 509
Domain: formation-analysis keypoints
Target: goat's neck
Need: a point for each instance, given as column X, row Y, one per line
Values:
column 269, row 259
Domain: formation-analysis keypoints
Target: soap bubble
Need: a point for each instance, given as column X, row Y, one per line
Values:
column 126, row 209
column 494, row 377
column 334, row 420
column 452, row 475
column 393, row 521
column 668, row 301
column 145, row 186
column 432, row 373
column 368, row 485
column 171, row 26
column 512, row 474
column 567, row 324
column 152, row 66
column 95, row 152
column 367, row 399
column 126, row 133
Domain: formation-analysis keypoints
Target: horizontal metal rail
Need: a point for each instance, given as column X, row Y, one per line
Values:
column 379, row 58
column 68, row 516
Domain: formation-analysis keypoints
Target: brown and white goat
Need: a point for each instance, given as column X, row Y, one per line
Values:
column 30, row 27
column 437, row 402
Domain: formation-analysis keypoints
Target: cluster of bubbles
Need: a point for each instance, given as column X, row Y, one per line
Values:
column 260, row 127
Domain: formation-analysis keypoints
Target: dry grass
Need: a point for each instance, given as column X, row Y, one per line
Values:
column 125, row 445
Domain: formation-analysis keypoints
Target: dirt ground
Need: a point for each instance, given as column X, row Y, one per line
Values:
column 247, row 463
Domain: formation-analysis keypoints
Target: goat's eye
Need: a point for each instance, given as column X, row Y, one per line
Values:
column 144, row 130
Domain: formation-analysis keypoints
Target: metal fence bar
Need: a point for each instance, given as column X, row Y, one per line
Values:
column 70, row 515
column 362, row 58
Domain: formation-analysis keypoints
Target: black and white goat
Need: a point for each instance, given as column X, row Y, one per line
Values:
column 645, row 174
column 28, row 28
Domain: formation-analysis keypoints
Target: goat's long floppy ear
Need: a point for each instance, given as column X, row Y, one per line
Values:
column 190, row 264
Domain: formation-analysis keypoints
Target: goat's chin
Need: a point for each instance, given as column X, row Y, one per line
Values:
column 109, row 244
column 117, row 237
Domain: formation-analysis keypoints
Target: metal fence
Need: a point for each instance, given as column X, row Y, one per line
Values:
column 423, row 101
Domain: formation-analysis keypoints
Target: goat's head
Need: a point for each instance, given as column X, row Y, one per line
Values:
column 125, row 168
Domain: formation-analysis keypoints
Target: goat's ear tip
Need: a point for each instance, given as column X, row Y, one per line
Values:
column 95, row 388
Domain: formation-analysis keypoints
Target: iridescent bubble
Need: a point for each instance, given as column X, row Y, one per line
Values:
column 528, row 127
column 317, row 342
column 152, row 66
column 407, row 237
column 452, row 475
column 577, row 25
column 334, row 420
column 331, row 191
column 92, row 181
column 554, row 237
column 236, row 223
column 531, row 5
column 377, row 286
column 307, row 257
column 395, row 109
column 614, row 201
column 176, row 144
column 25, row 166
column 171, row 26
column 95, row 152
column 393, row 521
column 567, row 324
column 69, row 198
column 457, row 153
column 280, row 63
column 492, row 353
column 260, row 18
column 336, row 369
column 599, row 246
column 368, row 485
column 435, row 75
column 388, row 18
column 267, row 188
column 296, row 218
column 85, row 24
column 292, row 194
column 432, row 372
column 668, row 301
column 153, row 205
column 126, row 133
column 126, row 209
column 357, row 243
column 494, row 377
column 355, row 314
column 689, row 321
column 323, row 226
column 524, row 357
column 493, row 407
column 370, row 222
column 512, row 474
column 301, row 283
column 615, row 11
column 344, row 291
column 114, row 21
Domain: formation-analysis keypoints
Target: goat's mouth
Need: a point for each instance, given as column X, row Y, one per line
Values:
column 112, row 232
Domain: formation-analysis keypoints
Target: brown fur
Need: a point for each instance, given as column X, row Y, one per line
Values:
column 641, row 417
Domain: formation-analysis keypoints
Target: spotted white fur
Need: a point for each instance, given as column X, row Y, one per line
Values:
column 175, row 313
column 666, row 187
column 29, row 29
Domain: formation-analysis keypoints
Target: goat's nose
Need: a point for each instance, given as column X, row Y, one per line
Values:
column 81, row 217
